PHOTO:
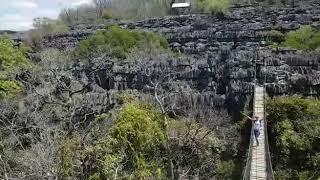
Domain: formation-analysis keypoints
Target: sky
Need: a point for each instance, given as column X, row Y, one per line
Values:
column 18, row 15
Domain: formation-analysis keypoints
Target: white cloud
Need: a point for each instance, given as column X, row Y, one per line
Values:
column 15, row 22
column 25, row 4
column 73, row 3
column 80, row 2
column 50, row 13
column 19, row 14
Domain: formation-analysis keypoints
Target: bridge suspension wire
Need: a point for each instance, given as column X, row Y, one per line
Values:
column 270, row 174
column 258, row 162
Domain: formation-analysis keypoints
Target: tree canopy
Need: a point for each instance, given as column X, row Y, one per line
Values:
column 295, row 134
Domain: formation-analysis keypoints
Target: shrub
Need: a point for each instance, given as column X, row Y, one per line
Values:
column 134, row 142
column 147, row 131
column 106, row 14
column 272, row 36
column 305, row 38
column 68, row 154
column 213, row 6
column 118, row 42
column 11, row 61
column 225, row 169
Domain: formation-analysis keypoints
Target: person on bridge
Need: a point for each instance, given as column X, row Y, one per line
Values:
column 256, row 126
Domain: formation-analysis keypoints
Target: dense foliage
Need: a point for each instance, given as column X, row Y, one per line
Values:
column 119, row 42
column 135, row 148
column 305, row 38
column 11, row 60
column 294, row 125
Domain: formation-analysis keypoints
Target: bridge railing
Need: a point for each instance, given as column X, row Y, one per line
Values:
column 269, row 169
column 246, row 172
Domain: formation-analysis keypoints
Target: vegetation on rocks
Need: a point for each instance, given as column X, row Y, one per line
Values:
column 305, row 38
column 12, row 59
column 272, row 36
column 294, row 124
column 119, row 42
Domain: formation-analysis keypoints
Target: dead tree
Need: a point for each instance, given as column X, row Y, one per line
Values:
column 100, row 6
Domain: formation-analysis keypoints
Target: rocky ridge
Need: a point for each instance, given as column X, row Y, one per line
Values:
column 220, row 69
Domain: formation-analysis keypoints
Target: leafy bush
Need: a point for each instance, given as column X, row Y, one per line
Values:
column 106, row 14
column 11, row 60
column 272, row 37
column 68, row 152
column 294, row 136
column 225, row 169
column 213, row 6
column 305, row 38
column 134, row 141
column 118, row 42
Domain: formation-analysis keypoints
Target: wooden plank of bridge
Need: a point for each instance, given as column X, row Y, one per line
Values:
column 258, row 162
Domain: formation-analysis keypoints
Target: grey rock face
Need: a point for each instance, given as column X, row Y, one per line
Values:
column 222, row 50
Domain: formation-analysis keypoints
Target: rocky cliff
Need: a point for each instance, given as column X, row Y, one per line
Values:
column 222, row 53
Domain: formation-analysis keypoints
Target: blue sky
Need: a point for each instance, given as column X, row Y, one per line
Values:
column 18, row 14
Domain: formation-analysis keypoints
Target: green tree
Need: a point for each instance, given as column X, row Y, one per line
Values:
column 134, row 144
column 12, row 59
column 294, row 137
column 305, row 38
column 118, row 42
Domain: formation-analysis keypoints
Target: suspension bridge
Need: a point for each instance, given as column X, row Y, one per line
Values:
column 258, row 163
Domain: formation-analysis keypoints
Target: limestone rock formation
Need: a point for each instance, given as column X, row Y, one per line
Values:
column 222, row 52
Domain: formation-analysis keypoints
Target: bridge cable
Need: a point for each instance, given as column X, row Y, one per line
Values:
column 247, row 170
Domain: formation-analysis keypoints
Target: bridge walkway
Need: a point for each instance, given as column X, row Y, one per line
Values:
column 258, row 161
